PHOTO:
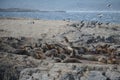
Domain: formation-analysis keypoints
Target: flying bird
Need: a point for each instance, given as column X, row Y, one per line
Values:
column 109, row 5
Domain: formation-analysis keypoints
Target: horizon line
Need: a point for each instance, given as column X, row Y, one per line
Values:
column 92, row 11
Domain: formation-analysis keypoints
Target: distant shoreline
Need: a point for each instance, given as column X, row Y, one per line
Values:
column 18, row 18
column 27, row 10
column 65, row 11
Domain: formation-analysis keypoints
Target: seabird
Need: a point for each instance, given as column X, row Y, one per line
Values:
column 109, row 5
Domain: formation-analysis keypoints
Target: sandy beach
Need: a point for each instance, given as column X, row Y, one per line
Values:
column 39, row 45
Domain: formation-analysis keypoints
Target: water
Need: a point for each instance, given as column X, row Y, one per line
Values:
column 113, row 17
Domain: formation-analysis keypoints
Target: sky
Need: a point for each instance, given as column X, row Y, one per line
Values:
column 70, row 5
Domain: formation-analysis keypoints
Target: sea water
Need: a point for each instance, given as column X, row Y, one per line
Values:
column 113, row 17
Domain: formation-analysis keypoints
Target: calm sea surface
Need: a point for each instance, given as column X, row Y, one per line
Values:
column 113, row 17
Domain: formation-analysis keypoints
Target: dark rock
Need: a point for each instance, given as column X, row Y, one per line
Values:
column 6, row 48
column 62, row 56
column 57, row 60
column 82, row 50
column 52, row 52
column 11, row 65
column 115, row 29
column 99, row 23
column 93, row 22
column 90, row 40
column 7, row 72
column 73, row 25
column 67, row 76
column 21, row 52
column 110, row 39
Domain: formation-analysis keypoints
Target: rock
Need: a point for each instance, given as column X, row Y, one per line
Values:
column 90, row 40
column 68, row 71
column 112, row 75
column 52, row 52
column 57, row 60
column 110, row 39
column 93, row 75
column 6, row 48
column 67, row 76
column 114, row 28
column 99, row 23
column 7, row 71
column 34, row 74
column 82, row 50
column 89, row 57
column 11, row 65
column 21, row 52
column 62, row 56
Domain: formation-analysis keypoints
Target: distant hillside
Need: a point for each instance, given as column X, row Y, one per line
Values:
column 24, row 10
column 17, row 10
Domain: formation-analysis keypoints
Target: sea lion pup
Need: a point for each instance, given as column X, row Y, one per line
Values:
column 71, row 60
column 111, row 60
column 66, row 39
column 39, row 55
column 102, row 59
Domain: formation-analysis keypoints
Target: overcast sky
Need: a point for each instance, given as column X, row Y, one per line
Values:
column 83, row 5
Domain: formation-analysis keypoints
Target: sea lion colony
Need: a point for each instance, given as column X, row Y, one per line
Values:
column 91, row 48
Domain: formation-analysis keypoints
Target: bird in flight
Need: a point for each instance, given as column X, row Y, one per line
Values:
column 109, row 5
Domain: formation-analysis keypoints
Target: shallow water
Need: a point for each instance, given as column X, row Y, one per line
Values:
column 113, row 17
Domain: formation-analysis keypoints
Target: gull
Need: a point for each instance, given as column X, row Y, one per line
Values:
column 109, row 5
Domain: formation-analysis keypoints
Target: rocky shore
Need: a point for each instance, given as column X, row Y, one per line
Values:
column 59, row 50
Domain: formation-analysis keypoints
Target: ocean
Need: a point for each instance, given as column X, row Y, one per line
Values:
column 113, row 17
